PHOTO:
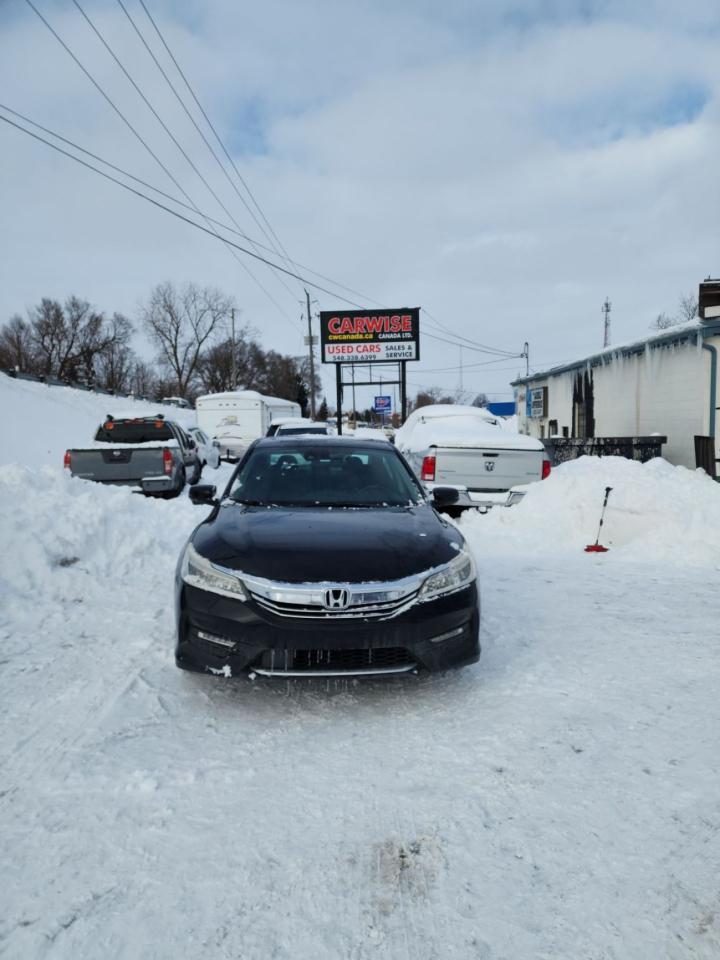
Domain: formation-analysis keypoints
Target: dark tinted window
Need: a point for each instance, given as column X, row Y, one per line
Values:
column 299, row 431
column 134, row 431
column 289, row 474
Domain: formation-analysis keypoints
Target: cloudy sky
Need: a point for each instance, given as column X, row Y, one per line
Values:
column 504, row 165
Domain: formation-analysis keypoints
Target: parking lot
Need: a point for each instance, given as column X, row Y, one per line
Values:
column 558, row 799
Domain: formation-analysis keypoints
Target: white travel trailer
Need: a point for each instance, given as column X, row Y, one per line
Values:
column 238, row 417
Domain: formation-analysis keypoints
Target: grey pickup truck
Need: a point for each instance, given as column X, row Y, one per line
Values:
column 150, row 453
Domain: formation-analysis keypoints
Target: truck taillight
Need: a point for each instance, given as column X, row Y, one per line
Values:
column 167, row 461
column 545, row 470
column 428, row 468
column 66, row 460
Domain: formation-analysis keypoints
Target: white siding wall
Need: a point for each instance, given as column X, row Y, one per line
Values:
column 664, row 390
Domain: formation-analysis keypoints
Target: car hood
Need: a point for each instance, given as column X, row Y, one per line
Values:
column 316, row 544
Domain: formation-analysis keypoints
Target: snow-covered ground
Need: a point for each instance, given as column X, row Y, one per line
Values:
column 560, row 800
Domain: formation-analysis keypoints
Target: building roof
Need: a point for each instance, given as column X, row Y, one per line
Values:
column 679, row 333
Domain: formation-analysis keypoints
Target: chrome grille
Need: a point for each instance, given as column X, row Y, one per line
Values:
column 316, row 611
column 333, row 601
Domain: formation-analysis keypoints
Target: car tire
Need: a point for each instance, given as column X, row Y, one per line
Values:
column 197, row 474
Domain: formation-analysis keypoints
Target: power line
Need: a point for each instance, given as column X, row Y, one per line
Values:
column 202, row 135
column 162, row 123
column 173, row 199
column 458, row 336
column 468, row 366
column 144, row 143
column 174, row 213
column 478, row 349
column 211, row 126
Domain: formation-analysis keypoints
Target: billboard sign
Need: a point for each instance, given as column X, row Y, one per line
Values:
column 362, row 336
column 383, row 405
column 537, row 402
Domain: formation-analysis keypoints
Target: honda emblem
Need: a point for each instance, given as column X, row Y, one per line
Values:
column 336, row 599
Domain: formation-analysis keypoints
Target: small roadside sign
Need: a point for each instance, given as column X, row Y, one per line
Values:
column 383, row 405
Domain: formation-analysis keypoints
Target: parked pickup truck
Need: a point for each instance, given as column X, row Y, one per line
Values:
column 151, row 453
column 449, row 445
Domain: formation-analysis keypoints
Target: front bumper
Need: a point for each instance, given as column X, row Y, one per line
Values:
column 226, row 636
column 161, row 484
column 232, row 450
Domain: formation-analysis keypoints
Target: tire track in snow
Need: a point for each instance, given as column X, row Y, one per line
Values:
column 60, row 732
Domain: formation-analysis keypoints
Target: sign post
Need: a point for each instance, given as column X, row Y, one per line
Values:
column 370, row 337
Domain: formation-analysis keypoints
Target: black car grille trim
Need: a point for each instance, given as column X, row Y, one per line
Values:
column 374, row 611
column 342, row 661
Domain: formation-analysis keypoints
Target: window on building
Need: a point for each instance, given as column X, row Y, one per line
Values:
column 552, row 428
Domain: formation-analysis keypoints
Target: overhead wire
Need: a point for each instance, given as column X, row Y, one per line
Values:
column 162, row 123
column 173, row 199
column 175, row 213
column 210, row 124
column 459, row 340
column 147, row 147
column 273, row 245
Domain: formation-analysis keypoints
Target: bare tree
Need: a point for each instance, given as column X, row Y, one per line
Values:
column 143, row 380
column 115, row 362
column 431, row 395
column 662, row 321
column 16, row 346
column 215, row 369
column 687, row 308
column 49, row 336
column 481, row 400
column 182, row 324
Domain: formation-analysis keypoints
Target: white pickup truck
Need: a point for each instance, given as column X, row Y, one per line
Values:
column 449, row 445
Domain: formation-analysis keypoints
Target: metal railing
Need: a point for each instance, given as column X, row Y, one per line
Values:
column 642, row 449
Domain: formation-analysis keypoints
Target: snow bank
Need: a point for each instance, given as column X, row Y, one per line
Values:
column 656, row 512
column 66, row 537
column 463, row 431
column 40, row 422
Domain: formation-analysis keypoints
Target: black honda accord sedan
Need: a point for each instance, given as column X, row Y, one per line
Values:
column 325, row 557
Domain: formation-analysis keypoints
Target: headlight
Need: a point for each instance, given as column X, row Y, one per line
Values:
column 457, row 574
column 199, row 572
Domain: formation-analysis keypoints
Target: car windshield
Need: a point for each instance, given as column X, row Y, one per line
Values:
column 299, row 474
column 134, row 431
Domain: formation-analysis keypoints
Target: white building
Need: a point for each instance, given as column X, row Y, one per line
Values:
column 664, row 384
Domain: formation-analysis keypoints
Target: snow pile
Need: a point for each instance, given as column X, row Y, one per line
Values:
column 463, row 431
column 107, row 540
column 40, row 422
column 656, row 512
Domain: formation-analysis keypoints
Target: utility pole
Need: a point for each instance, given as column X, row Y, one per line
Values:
column 233, row 375
column 352, row 371
column 312, row 357
column 606, row 308
column 526, row 354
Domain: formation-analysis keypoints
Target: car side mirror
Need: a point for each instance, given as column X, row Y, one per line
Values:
column 202, row 493
column 445, row 496
column 191, row 444
column 216, row 443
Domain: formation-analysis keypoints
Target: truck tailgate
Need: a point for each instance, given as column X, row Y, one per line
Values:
column 117, row 464
column 487, row 468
